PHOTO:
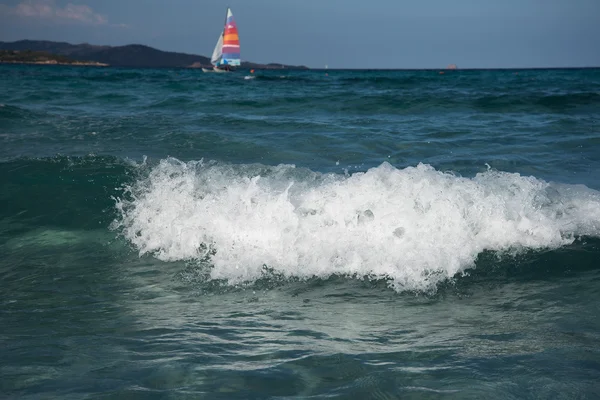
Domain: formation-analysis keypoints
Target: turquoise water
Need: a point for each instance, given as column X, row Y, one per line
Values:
column 355, row 234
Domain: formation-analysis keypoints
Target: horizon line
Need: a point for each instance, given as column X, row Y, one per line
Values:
column 319, row 68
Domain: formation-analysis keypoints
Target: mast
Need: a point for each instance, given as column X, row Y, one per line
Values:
column 219, row 45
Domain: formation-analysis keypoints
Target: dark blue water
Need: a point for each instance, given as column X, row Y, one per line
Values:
column 355, row 234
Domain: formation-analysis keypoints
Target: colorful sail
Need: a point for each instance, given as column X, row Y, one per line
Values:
column 231, row 42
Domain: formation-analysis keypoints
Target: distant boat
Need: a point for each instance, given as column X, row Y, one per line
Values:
column 226, row 54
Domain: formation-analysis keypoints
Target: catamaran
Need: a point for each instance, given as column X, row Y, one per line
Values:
column 227, row 51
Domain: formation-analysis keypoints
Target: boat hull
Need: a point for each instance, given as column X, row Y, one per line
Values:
column 215, row 69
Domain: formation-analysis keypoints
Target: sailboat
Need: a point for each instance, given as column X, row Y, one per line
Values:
column 226, row 54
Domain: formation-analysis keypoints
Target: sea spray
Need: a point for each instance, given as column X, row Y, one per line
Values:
column 415, row 226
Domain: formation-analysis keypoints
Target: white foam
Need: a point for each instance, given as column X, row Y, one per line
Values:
column 415, row 226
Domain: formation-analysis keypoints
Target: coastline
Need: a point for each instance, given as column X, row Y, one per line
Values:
column 128, row 56
column 54, row 62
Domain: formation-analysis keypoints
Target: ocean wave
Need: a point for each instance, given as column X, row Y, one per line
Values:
column 415, row 227
column 539, row 101
column 121, row 75
column 11, row 112
column 273, row 77
column 389, row 82
column 60, row 192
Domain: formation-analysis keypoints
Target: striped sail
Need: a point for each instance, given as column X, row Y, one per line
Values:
column 231, row 42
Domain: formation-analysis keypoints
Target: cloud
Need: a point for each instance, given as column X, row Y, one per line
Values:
column 80, row 13
column 49, row 10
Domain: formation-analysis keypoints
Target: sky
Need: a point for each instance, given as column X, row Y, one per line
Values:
column 337, row 33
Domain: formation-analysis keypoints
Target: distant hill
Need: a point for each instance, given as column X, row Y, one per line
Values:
column 41, row 57
column 132, row 55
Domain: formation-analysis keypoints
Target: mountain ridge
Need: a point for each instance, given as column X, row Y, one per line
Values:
column 130, row 55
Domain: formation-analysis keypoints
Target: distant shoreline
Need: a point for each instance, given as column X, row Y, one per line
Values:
column 141, row 56
column 450, row 71
column 98, row 64
column 43, row 58
column 53, row 62
column 128, row 56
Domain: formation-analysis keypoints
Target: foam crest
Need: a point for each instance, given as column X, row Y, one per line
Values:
column 414, row 226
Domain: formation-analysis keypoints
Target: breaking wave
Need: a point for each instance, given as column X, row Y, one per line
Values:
column 414, row 227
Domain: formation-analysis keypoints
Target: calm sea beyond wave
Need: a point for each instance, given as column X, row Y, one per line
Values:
column 169, row 234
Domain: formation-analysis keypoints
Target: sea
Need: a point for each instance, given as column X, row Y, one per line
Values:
column 319, row 234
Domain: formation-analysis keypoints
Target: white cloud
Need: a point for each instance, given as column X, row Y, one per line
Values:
column 49, row 10
column 80, row 13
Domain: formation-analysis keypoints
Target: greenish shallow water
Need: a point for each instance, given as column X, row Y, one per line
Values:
column 361, row 234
